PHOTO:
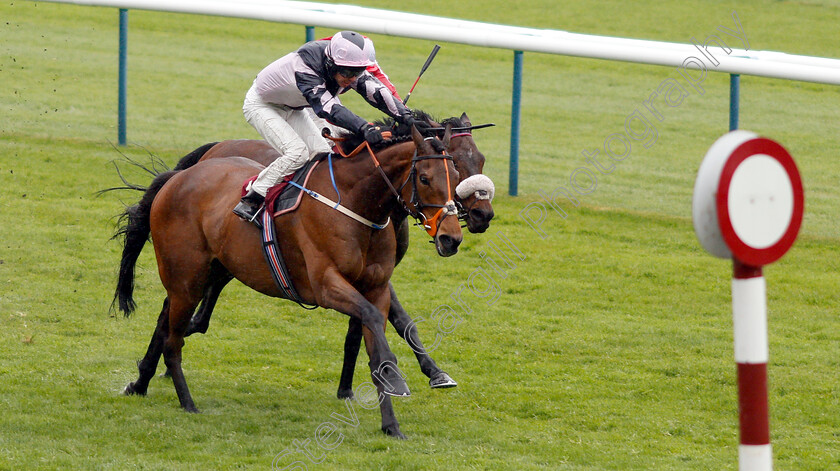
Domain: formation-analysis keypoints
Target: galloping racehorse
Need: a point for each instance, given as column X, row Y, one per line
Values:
column 334, row 261
column 475, row 206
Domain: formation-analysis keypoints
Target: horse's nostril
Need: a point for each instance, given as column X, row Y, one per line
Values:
column 481, row 216
column 448, row 242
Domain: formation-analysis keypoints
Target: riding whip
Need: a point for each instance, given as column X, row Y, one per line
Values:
column 425, row 66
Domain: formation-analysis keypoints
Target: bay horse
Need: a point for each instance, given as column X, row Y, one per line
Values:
column 334, row 261
column 476, row 210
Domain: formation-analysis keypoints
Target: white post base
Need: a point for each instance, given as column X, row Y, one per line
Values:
column 755, row 458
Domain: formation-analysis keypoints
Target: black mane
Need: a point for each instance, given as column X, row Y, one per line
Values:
column 400, row 132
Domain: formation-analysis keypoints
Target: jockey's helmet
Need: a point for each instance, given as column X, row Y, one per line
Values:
column 349, row 49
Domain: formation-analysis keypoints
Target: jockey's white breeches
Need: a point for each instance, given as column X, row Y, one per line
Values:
column 291, row 132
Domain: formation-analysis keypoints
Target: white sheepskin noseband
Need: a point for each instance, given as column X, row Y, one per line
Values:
column 480, row 184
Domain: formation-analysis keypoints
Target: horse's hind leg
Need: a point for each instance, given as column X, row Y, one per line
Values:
column 148, row 364
column 179, row 317
column 219, row 278
column 200, row 321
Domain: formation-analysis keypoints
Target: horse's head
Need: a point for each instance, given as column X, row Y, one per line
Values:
column 475, row 190
column 430, row 191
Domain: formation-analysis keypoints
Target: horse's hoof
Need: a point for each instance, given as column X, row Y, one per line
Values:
column 393, row 384
column 396, row 387
column 166, row 374
column 394, row 432
column 191, row 409
column 398, row 391
column 345, row 394
column 442, row 381
column 132, row 390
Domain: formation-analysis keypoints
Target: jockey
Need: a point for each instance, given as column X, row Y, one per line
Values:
column 312, row 77
column 374, row 70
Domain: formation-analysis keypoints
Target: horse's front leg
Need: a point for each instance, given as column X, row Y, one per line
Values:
column 407, row 329
column 353, row 339
column 344, row 298
column 338, row 294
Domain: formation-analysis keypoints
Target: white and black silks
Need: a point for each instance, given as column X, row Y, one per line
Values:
column 303, row 79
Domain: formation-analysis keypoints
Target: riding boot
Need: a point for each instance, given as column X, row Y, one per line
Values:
column 249, row 207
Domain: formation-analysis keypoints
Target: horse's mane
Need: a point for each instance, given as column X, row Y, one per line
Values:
column 399, row 132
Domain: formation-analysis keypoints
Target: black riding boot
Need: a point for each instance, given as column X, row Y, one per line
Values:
column 249, row 207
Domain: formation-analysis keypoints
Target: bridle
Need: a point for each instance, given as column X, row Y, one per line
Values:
column 432, row 224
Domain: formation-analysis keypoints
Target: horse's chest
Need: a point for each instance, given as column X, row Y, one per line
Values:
column 376, row 274
column 365, row 263
column 369, row 270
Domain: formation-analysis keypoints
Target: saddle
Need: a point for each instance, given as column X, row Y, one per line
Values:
column 284, row 198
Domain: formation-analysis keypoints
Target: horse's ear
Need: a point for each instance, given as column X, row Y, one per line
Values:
column 416, row 137
column 446, row 135
column 465, row 120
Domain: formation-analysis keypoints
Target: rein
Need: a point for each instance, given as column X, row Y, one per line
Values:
column 464, row 130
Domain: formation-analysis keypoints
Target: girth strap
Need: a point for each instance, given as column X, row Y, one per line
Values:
column 275, row 262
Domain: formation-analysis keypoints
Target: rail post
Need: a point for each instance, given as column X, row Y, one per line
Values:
column 122, row 80
column 515, row 114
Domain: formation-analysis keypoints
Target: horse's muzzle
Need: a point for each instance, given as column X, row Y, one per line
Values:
column 478, row 220
column 447, row 245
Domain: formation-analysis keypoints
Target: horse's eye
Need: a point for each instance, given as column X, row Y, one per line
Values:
column 424, row 180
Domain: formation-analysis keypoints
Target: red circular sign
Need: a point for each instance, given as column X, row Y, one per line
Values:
column 760, row 201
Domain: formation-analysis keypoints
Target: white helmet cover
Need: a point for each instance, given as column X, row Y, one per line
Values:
column 349, row 49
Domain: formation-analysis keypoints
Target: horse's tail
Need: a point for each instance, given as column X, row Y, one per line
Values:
column 193, row 157
column 134, row 229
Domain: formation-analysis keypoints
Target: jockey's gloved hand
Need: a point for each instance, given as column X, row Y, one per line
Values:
column 421, row 126
column 408, row 120
column 373, row 134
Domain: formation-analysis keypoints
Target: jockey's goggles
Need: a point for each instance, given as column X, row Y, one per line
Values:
column 349, row 72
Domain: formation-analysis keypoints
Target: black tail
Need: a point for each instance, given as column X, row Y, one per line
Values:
column 193, row 157
column 134, row 229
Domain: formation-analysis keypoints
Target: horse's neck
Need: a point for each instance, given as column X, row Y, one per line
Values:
column 364, row 184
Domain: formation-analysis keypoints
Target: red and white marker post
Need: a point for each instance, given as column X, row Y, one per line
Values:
column 748, row 206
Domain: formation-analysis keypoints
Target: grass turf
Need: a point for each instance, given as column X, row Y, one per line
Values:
column 608, row 346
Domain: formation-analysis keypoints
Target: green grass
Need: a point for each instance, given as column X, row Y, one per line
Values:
column 609, row 347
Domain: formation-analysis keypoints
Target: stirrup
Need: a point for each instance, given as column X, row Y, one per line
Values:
column 249, row 213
